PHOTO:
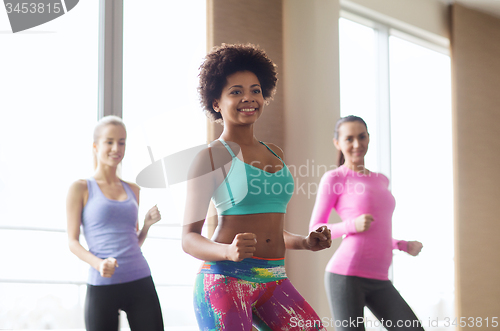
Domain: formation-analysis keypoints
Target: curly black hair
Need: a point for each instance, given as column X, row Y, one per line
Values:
column 227, row 59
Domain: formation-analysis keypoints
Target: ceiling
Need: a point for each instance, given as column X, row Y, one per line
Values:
column 491, row 7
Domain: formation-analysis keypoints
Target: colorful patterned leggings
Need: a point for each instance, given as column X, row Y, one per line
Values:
column 229, row 303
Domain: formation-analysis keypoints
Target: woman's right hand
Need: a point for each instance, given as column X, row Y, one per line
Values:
column 107, row 267
column 363, row 222
column 242, row 247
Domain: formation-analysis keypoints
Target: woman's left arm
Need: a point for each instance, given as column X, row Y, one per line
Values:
column 152, row 216
column 315, row 241
column 411, row 247
column 414, row 247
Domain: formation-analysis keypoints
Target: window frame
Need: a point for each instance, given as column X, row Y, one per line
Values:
column 110, row 102
column 385, row 27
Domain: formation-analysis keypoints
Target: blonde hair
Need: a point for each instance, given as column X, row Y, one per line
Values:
column 101, row 124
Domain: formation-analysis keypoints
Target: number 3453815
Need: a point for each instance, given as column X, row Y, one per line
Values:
column 33, row 8
column 472, row 322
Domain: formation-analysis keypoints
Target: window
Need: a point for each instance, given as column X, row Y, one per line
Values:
column 406, row 87
column 162, row 112
column 422, row 176
column 358, row 76
column 47, row 112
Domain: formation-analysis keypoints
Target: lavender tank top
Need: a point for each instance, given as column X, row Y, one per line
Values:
column 109, row 227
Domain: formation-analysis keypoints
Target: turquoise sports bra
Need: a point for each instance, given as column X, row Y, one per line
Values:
column 250, row 190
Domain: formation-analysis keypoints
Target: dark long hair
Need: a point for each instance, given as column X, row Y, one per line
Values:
column 342, row 120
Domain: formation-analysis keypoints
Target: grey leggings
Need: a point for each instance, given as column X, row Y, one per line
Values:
column 349, row 294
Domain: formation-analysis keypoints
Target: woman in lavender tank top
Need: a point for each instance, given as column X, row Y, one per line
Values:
column 357, row 274
column 106, row 208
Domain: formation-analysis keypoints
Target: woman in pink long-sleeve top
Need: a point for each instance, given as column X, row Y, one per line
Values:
column 357, row 274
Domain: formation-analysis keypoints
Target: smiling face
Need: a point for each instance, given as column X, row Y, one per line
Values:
column 241, row 101
column 110, row 146
column 353, row 140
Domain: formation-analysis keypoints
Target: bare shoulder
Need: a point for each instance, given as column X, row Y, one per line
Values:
column 78, row 192
column 78, row 187
column 276, row 149
column 212, row 157
column 202, row 163
column 220, row 154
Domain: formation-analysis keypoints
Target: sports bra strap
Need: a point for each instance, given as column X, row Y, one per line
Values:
column 271, row 150
column 232, row 154
column 224, row 170
column 211, row 158
column 227, row 147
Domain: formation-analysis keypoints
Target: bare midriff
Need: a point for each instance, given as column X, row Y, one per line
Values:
column 268, row 229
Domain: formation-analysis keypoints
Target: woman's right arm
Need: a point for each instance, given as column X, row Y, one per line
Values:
column 202, row 182
column 74, row 208
column 202, row 248
column 330, row 188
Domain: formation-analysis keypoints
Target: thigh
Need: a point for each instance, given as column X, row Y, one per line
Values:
column 279, row 306
column 101, row 308
column 386, row 303
column 347, row 300
column 142, row 306
column 223, row 302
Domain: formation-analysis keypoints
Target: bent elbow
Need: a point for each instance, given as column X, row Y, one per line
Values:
column 72, row 243
column 184, row 244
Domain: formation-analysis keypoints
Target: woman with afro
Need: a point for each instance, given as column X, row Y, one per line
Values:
column 243, row 280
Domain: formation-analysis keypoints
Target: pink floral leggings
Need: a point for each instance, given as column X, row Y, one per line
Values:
column 228, row 303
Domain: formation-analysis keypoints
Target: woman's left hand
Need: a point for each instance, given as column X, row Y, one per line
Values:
column 319, row 239
column 414, row 247
column 152, row 216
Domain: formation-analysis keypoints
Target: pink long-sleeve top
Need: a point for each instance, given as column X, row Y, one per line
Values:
column 365, row 254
